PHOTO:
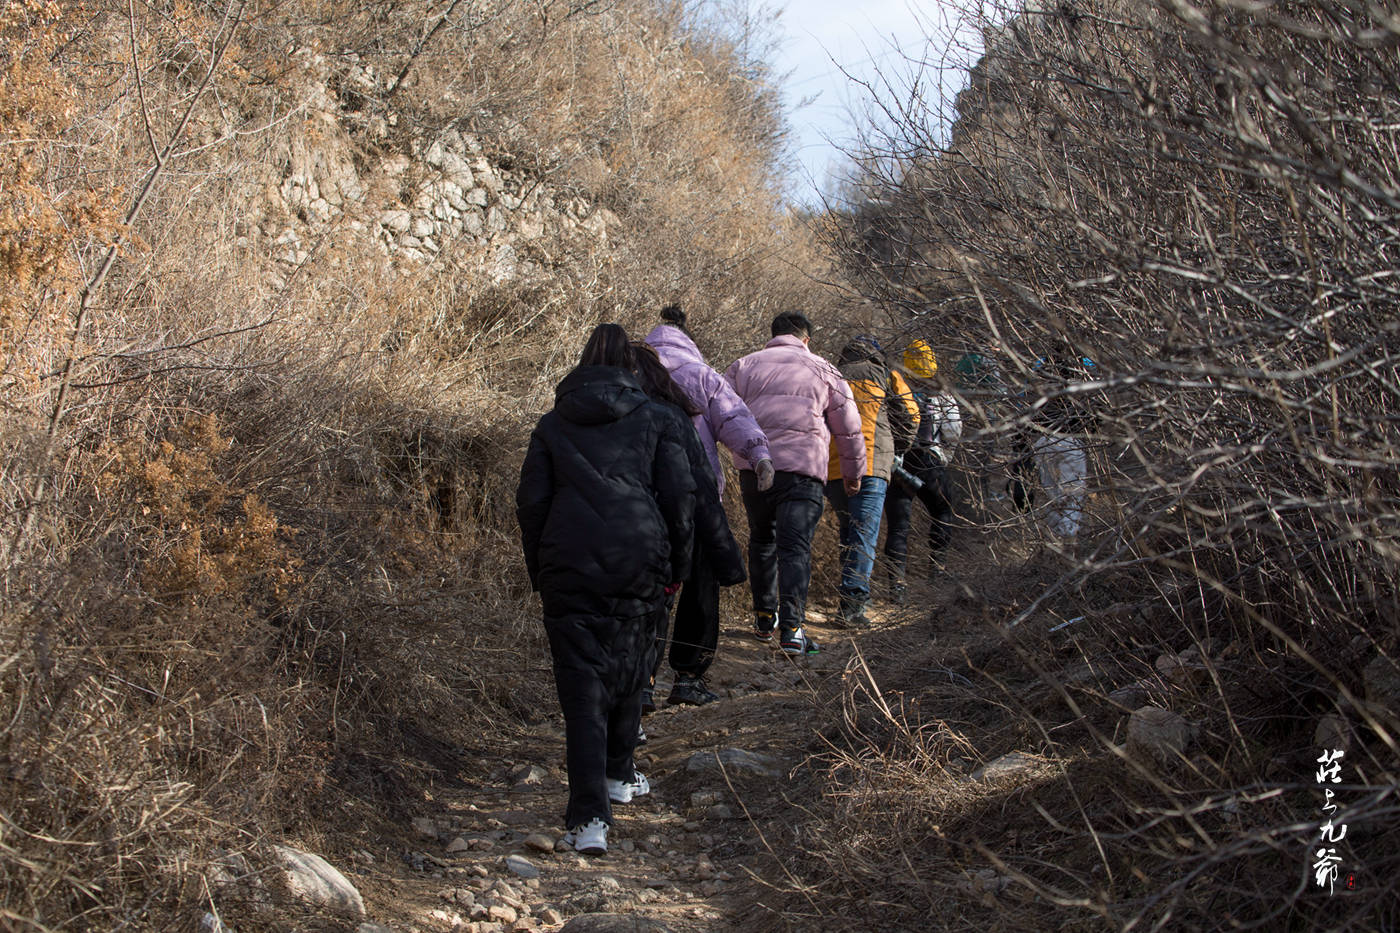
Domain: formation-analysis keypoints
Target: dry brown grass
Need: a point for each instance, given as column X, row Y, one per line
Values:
column 262, row 562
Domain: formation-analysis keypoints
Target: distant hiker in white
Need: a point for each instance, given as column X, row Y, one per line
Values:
column 1058, row 447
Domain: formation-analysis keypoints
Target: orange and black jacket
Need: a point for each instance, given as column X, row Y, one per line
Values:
column 889, row 416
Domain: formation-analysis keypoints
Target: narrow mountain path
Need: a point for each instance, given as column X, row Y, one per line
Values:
column 730, row 784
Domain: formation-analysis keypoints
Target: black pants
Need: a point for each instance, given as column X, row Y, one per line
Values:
column 781, row 524
column 661, row 627
column 937, row 497
column 600, row 667
column 695, row 635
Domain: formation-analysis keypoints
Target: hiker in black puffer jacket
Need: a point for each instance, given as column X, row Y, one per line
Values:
column 606, row 504
column 717, row 560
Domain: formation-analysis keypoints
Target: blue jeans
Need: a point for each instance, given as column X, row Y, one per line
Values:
column 858, row 517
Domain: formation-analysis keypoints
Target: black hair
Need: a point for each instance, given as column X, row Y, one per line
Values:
column 673, row 315
column 607, row 346
column 861, row 347
column 656, row 379
column 792, row 322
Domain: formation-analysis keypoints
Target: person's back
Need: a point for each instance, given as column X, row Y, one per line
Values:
column 1057, row 440
column 887, row 414
column 717, row 560
column 801, row 403
column 723, row 417
column 793, row 394
column 925, row 475
column 1065, row 411
column 604, row 544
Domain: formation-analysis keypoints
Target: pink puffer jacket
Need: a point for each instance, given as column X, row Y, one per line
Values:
column 802, row 404
column 723, row 415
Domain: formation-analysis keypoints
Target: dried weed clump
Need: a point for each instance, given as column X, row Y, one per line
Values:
column 256, row 474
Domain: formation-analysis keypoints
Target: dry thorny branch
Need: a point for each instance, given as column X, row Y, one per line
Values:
column 1203, row 201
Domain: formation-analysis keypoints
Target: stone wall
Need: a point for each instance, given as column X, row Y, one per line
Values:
column 445, row 194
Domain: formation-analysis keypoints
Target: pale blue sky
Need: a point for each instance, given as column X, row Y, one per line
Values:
column 821, row 37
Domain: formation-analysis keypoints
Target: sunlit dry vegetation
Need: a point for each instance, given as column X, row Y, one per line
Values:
column 255, row 493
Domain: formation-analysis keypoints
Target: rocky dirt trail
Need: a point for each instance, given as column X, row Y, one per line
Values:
column 729, row 784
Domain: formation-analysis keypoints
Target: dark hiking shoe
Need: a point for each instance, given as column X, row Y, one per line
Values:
column 691, row 691
column 765, row 626
column 648, row 700
column 852, row 613
column 899, row 593
column 641, row 736
column 795, row 641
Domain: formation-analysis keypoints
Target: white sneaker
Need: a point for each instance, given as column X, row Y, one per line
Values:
column 591, row 838
column 624, row 791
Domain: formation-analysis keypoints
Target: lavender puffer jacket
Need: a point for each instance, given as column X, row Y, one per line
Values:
column 802, row 404
column 723, row 415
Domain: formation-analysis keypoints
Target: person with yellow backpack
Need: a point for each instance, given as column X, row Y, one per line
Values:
column 925, row 467
column 889, row 420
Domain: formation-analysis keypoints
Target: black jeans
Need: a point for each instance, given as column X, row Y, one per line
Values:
column 937, row 497
column 600, row 667
column 661, row 627
column 781, row 524
column 696, row 632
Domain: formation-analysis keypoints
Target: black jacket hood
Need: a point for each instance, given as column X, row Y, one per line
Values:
column 598, row 395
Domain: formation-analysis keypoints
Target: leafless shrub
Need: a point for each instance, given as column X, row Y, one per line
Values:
column 1202, row 200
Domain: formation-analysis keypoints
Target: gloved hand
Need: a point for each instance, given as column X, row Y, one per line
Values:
column 763, row 471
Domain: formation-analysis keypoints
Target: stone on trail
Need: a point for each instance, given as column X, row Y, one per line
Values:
column 614, row 923
column 211, row 923
column 314, row 880
column 1008, row 765
column 522, row 867
column 1332, row 732
column 458, row 845
column 1156, row 734
column 735, row 762
column 540, row 842
column 529, row 776
column 1129, row 697
column 985, row 884
column 425, row 826
column 1184, row 669
column 368, row 927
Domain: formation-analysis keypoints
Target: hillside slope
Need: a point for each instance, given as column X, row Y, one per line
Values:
column 286, row 286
